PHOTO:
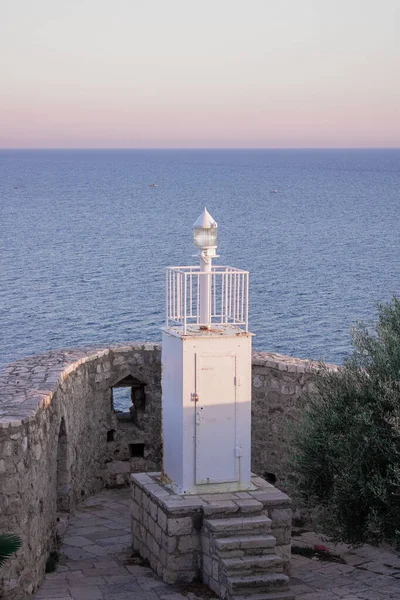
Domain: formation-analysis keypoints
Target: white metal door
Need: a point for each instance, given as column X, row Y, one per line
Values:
column 216, row 460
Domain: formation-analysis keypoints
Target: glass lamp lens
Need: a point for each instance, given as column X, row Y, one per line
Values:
column 205, row 238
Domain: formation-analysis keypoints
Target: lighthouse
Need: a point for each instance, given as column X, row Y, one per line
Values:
column 206, row 515
column 206, row 373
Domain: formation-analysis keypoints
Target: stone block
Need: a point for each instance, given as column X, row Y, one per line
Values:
column 272, row 497
column 171, row 543
column 138, row 359
column 188, row 543
column 151, row 525
column 220, row 507
column 158, row 534
column 178, row 508
column 146, row 503
column 159, row 492
column 120, row 479
column 153, row 509
column 138, row 495
column 282, row 535
column 232, row 553
column 148, row 539
column 144, row 552
column 143, row 479
column 284, row 552
column 207, row 565
column 205, row 544
column 242, row 495
column 155, row 548
column 170, row 577
column 215, row 570
column 179, row 526
column 215, row 586
column 163, row 557
column 288, row 389
column 145, row 519
column 260, row 483
column 257, row 381
column 153, row 561
column 249, row 505
column 181, row 562
column 119, row 360
column 162, row 519
column 230, row 525
column 218, row 497
column 281, row 517
column 142, row 532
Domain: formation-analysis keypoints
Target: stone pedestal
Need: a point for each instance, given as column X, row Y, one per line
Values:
column 238, row 543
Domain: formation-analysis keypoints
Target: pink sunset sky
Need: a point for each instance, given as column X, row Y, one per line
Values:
column 184, row 73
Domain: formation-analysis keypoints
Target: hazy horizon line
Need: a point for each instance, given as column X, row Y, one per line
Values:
column 123, row 149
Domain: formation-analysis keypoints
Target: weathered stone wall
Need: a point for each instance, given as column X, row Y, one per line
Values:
column 165, row 531
column 60, row 439
column 55, row 415
column 217, row 537
column 277, row 384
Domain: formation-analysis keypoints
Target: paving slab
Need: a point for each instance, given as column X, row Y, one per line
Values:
column 94, row 564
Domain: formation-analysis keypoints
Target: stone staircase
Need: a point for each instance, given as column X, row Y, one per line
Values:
column 239, row 558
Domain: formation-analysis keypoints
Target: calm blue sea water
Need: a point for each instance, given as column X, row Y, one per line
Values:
column 84, row 242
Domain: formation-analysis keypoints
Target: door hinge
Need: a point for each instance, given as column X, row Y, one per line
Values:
column 238, row 381
column 194, row 397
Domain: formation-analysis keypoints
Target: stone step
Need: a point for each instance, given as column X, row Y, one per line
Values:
column 239, row 525
column 245, row 543
column 252, row 564
column 219, row 509
column 267, row 596
column 262, row 583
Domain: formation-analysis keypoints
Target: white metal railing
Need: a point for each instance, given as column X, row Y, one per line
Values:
column 227, row 289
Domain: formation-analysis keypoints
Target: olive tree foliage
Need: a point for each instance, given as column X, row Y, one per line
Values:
column 346, row 450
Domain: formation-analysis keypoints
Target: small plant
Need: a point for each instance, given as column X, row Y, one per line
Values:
column 318, row 552
column 9, row 543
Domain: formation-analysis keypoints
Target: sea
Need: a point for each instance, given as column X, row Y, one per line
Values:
column 85, row 239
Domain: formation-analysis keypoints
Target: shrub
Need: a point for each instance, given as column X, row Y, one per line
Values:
column 346, row 450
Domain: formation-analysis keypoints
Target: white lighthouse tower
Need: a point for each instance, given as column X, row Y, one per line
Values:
column 206, row 373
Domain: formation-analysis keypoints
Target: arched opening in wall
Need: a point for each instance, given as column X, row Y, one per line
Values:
column 127, row 443
column 129, row 400
column 63, row 486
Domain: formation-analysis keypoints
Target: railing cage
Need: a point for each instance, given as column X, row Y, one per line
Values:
column 228, row 297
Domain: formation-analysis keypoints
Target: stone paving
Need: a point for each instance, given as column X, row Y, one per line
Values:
column 369, row 573
column 96, row 564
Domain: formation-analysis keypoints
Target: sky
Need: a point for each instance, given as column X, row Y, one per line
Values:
column 190, row 73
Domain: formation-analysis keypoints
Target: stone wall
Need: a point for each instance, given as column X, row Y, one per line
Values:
column 166, row 529
column 277, row 384
column 60, row 439
column 55, row 419
column 222, row 539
